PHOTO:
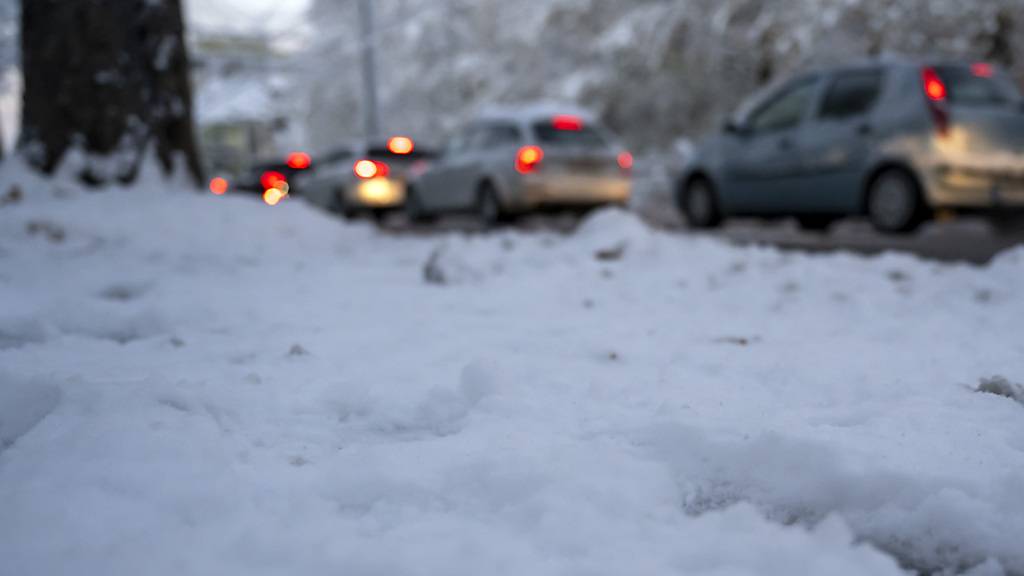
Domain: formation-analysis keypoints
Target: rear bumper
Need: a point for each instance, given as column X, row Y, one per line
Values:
column 972, row 189
column 376, row 194
column 541, row 192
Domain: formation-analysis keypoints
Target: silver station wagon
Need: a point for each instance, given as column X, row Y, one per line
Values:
column 515, row 161
column 898, row 141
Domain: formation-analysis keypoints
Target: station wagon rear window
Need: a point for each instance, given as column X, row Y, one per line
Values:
column 579, row 137
column 974, row 86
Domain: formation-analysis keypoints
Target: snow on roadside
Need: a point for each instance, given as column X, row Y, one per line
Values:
column 191, row 383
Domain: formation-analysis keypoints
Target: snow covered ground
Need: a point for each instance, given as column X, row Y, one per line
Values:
column 201, row 385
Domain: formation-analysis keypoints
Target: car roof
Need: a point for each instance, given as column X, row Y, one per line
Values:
column 356, row 146
column 533, row 112
column 889, row 60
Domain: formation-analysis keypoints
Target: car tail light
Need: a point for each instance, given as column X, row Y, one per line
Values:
column 219, row 186
column 299, row 161
column 625, row 160
column 983, row 70
column 370, row 169
column 567, row 122
column 528, row 159
column 934, row 87
column 401, row 145
column 936, row 93
column 273, row 179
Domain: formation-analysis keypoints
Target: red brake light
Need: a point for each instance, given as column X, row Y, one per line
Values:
column 982, row 70
column 219, row 186
column 401, row 145
column 626, row 161
column 370, row 169
column 934, row 87
column 299, row 161
column 935, row 90
column 528, row 159
column 272, row 179
column 567, row 122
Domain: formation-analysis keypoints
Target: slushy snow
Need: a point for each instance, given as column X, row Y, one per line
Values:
column 201, row 385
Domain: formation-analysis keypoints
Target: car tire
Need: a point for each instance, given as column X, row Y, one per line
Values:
column 415, row 212
column 815, row 223
column 894, row 202
column 1008, row 225
column 699, row 204
column 340, row 206
column 488, row 206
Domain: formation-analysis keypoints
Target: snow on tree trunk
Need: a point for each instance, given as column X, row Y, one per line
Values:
column 110, row 77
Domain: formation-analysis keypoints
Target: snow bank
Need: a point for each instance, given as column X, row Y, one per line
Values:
column 190, row 383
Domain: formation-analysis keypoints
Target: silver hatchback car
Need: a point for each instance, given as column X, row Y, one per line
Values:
column 520, row 160
column 897, row 141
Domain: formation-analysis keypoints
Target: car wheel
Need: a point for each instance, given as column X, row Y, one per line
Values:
column 894, row 202
column 340, row 206
column 815, row 223
column 488, row 206
column 700, row 205
column 1008, row 225
column 414, row 209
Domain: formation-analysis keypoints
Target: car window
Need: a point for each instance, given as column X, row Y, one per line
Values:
column 461, row 142
column 785, row 110
column 500, row 135
column 580, row 137
column 383, row 153
column 852, row 94
column 980, row 85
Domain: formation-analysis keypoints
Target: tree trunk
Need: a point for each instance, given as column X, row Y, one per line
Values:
column 111, row 78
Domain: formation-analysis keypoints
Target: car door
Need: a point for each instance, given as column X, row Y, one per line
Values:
column 761, row 160
column 495, row 157
column 439, row 188
column 472, row 167
column 838, row 142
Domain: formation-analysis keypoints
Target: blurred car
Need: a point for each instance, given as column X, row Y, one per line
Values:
column 896, row 141
column 516, row 161
column 364, row 179
column 272, row 180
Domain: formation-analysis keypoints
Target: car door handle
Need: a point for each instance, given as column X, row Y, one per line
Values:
column 865, row 129
column 785, row 144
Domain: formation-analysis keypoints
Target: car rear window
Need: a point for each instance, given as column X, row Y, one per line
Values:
column 581, row 137
column 978, row 85
column 382, row 153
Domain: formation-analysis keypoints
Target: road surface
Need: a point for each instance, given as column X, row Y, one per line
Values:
column 966, row 240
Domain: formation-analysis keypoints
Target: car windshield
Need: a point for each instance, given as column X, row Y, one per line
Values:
column 578, row 136
column 978, row 85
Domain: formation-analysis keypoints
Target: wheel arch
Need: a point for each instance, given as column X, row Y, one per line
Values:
column 884, row 166
column 686, row 180
column 493, row 183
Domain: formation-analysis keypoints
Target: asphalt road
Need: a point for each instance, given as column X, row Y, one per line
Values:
column 967, row 240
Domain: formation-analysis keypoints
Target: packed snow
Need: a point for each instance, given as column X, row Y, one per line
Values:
column 197, row 385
